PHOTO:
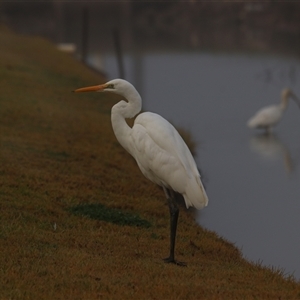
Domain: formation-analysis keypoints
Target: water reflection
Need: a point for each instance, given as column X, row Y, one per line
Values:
column 269, row 147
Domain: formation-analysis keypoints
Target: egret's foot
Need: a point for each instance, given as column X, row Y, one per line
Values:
column 173, row 261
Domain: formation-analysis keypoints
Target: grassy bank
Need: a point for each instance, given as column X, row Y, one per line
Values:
column 78, row 220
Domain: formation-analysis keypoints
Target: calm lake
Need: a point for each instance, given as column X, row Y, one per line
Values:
column 252, row 180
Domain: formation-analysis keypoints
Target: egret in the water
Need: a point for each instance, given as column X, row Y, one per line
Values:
column 160, row 152
column 268, row 117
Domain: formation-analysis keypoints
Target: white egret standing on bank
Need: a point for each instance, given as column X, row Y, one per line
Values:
column 160, row 152
column 268, row 117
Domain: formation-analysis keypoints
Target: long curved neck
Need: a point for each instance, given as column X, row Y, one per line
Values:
column 125, row 110
column 284, row 102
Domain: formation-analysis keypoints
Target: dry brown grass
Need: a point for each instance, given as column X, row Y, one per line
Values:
column 58, row 151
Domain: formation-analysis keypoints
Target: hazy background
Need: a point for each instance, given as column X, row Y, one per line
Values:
column 153, row 26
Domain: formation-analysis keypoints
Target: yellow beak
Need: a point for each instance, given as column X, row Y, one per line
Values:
column 94, row 88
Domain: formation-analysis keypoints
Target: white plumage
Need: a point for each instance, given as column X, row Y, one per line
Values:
column 160, row 152
column 164, row 158
column 268, row 117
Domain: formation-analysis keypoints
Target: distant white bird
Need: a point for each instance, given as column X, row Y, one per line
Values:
column 268, row 117
column 160, row 152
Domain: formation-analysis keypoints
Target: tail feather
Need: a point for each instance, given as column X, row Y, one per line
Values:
column 252, row 123
column 195, row 195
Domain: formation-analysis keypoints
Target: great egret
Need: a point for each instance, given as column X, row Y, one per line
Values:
column 268, row 117
column 160, row 152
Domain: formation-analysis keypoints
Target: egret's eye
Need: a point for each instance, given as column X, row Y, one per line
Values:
column 110, row 86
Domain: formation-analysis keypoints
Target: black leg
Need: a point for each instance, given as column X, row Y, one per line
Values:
column 174, row 213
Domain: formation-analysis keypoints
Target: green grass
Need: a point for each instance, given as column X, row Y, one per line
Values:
column 59, row 154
